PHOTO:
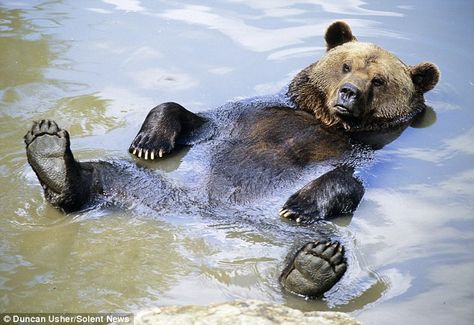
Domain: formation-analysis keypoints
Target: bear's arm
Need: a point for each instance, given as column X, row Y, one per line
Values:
column 165, row 126
column 333, row 194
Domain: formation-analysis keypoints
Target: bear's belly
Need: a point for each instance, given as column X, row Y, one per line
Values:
column 265, row 154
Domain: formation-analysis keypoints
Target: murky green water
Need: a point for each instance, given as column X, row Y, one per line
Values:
column 98, row 67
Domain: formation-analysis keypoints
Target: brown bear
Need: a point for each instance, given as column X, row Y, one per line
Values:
column 355, row 99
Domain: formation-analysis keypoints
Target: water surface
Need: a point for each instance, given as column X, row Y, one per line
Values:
column 98, row 67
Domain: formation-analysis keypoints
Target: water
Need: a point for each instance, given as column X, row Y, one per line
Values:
column 98, row 67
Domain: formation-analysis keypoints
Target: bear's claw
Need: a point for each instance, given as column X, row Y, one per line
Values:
column 288, row 213
column 152, row 146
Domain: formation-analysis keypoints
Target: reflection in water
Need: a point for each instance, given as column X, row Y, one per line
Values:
column 17, row 54
column 24, row 53
column 450, row 290
column 421, row 234
column 256, row 38
column 297, row 52
column 157, row 78
column 27, row 54
column 462, row 144
column 287, row 8
column 418, row 206
column 70, row 250
column 83, row 115
column 127, row 5
column 98, row 69
column 274, row 86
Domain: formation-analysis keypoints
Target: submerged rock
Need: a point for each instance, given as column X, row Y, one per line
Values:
column 240, row 312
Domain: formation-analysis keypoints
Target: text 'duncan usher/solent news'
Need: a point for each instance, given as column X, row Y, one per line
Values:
column 66, row 318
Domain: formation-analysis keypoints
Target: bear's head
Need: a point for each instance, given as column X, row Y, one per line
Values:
column 360, row 86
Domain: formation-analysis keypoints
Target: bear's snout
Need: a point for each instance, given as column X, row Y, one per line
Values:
column 348, row 100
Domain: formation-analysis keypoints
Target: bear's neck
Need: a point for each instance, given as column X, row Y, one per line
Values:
column 308, row 97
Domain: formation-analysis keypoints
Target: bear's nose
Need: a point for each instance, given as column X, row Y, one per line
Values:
column 349, row 92
column 348, row 100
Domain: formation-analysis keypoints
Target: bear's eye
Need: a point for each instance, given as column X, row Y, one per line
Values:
column 377, row 82
column 346, row 68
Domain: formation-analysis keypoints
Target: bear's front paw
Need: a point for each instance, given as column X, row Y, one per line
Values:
column 151, row 144
column 331, row 195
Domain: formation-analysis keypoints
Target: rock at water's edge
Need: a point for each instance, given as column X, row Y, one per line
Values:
column 240, row 313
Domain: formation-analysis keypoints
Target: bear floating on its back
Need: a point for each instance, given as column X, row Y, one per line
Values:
column 357, row 95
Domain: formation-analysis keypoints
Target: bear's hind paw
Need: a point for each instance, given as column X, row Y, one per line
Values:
column 49, row 154
column 314, row 269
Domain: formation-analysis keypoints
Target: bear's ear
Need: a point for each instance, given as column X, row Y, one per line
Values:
column 338, row 33
column 424, row 75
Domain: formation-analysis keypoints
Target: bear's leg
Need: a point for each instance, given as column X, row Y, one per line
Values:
column 314, row 269
column 333, row 194
column 165, row 125
column 66, row 185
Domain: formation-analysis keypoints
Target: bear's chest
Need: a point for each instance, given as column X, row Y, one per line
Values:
column 270, row 148
column 289, row 137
